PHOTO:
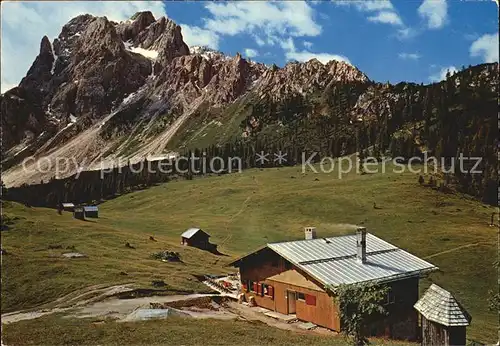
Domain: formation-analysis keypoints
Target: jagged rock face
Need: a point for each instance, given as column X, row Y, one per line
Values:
column 162, row 37
column 29, row 120
column 219, row 80
column 39, row 75
column 134, row 72
column 131, row 29
column 99, row 73
column 306, row 77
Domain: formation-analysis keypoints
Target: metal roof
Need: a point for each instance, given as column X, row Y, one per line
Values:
column 68, row 205
column 191, row 232
column 439, row 305
column 90, row 208
column 332, row 261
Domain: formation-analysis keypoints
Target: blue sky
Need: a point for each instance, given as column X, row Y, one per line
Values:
column 410, row 40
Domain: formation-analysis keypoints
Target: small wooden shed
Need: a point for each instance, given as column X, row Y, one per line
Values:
column 91, row 211
column 196, row 237
column 444, row 320
column 79, row 213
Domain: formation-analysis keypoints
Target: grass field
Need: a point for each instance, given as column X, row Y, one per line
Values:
column 242, row 212
column 171, row 332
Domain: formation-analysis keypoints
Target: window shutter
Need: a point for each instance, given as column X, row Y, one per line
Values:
column 270, row 290
column 310, row 299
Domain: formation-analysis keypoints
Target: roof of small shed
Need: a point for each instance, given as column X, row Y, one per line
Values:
column 191, row 232
column 439, row 305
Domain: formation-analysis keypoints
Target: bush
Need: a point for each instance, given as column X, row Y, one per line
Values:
column 167, row 256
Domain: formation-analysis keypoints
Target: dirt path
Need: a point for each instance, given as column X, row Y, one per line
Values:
column 453, row 250
column 230, row 234
column 94, row 301
column 243, row 207
column 120, row 308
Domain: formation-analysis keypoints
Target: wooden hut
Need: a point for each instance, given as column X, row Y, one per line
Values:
column 79, row 213
column 444, row 320
column 290, row 278
column 196, row 237
column 91, row 211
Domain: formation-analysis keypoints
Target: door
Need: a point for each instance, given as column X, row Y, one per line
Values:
column 291, row 302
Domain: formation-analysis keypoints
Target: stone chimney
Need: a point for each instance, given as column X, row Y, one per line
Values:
column 361, row 244
column 310, row 233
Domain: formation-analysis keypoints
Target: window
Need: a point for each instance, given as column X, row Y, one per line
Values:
column 391, row 298
column 300, row 296
column 268, row 291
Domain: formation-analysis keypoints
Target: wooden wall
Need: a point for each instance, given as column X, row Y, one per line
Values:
column 436, row 334
column 268, row 265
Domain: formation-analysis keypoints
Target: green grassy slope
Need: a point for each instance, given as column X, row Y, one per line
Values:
column 242, row 212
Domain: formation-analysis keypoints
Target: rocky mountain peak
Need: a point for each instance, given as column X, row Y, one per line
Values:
column 108, row 78
column 143, row 17
column 45, row 46
column 160, row 40
column 207, row 52
column 306, row 77
column 346, row 72
column 137, row 23
column 40, row 72
column 101, row 35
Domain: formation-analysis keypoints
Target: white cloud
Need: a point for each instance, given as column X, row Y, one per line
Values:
column 441, row 75
column 367, row 5
column 195, row 36
column 273, row 18
column 406, row 33
column 288, row 45
column 486, row 47
column 292, row 54
column 25, row 23
column 381, row 11
column 434, row 12
column 260, row 42
column 307, row 44
column 409, row 56
column 386, row 18
column 250, row 53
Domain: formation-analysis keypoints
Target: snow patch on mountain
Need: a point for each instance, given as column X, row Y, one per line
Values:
column 207, row 53
column 148, row 53
column 55, row 58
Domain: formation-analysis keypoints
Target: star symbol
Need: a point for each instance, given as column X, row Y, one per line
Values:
column 261, row 158
column 280, row 157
